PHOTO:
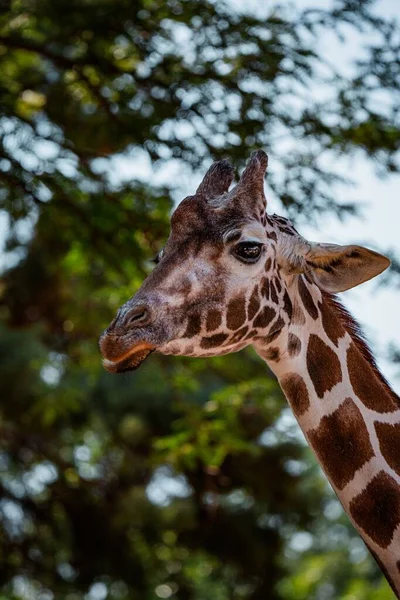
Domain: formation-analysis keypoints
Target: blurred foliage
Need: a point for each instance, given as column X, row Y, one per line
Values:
column 188, row 479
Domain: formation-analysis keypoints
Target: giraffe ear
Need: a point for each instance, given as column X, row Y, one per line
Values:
column 217, row 180
column 336, row 268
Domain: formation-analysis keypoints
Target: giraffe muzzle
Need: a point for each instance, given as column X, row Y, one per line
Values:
column 130, row 361
column 139, row 316
column 131, row 337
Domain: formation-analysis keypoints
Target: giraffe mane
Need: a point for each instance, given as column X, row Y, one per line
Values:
column 353, row 328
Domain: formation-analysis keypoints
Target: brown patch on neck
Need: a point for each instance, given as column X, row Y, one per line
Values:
column 275, row 330
column 294, row 345
column 389, row 443
column 332, row 325
column 287, row 305
column 369, row 388
column 341, row 442
column 271, row 354
column 377, row 509
column 350, row 325
column 264, row 318
column 295, row 390
column 323, row 365
column 307, row 300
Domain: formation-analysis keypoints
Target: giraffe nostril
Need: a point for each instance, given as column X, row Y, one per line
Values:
column 138, row 316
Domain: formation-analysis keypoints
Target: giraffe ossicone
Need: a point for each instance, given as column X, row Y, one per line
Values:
column 231, row 275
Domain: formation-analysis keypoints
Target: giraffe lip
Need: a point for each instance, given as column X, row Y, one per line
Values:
column 130, row 361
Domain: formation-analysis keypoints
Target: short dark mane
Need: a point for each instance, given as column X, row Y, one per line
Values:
column 354, row 330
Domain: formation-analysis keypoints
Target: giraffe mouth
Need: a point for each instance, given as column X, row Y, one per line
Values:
column 130, row 361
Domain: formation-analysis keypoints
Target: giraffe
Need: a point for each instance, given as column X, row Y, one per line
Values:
column 231, row 275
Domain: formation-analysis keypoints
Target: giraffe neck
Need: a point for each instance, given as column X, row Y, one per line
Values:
column 349, row 415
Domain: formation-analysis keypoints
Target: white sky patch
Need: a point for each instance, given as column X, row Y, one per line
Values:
column 164, row 486
column 39, row 477
column 53, row 370
column 301, row 541
column 98, row 591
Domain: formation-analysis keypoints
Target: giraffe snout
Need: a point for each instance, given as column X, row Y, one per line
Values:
column 129, row 338
column 130, row 317
column 138, row 316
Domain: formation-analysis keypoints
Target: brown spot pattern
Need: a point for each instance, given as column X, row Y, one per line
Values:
column 272, row 336
column 287, row 305
column 331, row 324
column 193, row 326
column 377, row 509
column 272, row 354
column 239, row 334
column 294, row 345
column 213, row 340
column 265, row 287
column 272, row 236
column 274, row 295
column 254, row 304
column 268, row 263
column 307, row 299
column 236, row 314
column 286, row 230
column 275, row 330
column 278, row 285
column 213, row 320
column 341, row 441
column 389, row 443
column 296, row 392
column 366, row 385
column 250, row 335
column 323, row 365
column 265, row 317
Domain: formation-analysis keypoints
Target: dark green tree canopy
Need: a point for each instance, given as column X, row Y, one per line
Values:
column 187, row 480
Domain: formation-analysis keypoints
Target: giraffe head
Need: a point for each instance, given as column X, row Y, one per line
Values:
column 222, row 281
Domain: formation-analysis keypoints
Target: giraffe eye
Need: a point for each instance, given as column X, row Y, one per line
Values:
column 248, row 252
